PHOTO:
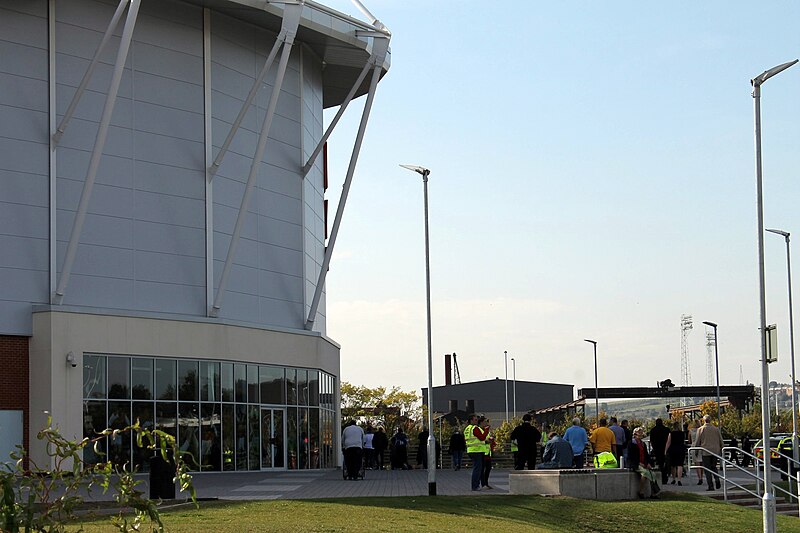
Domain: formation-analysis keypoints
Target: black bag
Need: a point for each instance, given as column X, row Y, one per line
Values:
column 654, row 488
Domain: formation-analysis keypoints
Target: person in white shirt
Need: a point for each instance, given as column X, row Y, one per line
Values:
column 369, row 450
column 353, row 441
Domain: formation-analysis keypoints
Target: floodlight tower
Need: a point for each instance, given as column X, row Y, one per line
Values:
column 686, row 373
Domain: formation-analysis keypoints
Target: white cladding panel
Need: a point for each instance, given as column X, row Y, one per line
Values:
column 143, row 244
column 23, row 162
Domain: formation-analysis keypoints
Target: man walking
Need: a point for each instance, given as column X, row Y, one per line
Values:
column 475, row 436
column 710, row 439
column 527, row 438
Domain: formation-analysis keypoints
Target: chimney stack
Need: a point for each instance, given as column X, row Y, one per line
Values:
column 448, row 372
column 453, row 405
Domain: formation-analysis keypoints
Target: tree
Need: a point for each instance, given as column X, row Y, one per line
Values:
column 378, row 406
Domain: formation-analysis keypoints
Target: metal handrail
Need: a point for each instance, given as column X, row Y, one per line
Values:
column 758, row 464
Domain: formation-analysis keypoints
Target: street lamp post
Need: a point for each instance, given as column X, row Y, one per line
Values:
column 505, row 358
column 424, row 172
column 514, row 390
column 716, row 365
column 795, row 451
column 596, row 400
column 768, row 501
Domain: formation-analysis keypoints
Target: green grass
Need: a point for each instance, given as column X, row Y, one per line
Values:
column 684, row 512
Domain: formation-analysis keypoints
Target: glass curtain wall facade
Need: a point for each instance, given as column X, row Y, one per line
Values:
column 225, row 416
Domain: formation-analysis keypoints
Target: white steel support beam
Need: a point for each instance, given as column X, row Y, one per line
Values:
column 97, row 152
column 89, row 71
column 291, row 20
column 380, row 48
column 335, row 120
column 247, row 103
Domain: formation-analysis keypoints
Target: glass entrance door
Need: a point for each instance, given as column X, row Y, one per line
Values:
column 273, row 437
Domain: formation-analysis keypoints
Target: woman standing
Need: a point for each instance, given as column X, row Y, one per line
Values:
column 639, row 462
column 676, row 452
column 696, row 458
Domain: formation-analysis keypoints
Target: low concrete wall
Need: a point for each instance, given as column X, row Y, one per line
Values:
column 589, row 484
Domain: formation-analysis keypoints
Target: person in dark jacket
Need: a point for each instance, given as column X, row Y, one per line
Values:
column 457, row 448
column 658, row 440
column 527, row 437
column 557, row 453
column 639, row 462
column 422, row 449
column 380, row 442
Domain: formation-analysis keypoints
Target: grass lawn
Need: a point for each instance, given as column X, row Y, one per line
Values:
column 675, row 512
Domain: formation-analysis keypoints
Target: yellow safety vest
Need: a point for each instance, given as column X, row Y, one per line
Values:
column 514, row 447
column 474, row 444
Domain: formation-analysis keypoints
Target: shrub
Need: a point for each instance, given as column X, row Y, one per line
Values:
column 35, row 498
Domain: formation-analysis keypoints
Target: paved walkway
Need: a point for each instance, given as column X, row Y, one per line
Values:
column 303, row 484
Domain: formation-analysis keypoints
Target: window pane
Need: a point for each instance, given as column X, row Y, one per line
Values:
column 119, row 446
column 291, row 386
column 166, row 388
column 143, row 412
column 302, row 387
column 240, row 380
column 228, row 436
column 273, row 386
column 313, row 438
column 211, row 429
column 313, row 387
column 252, row 384
column 241, row 437
column 142, row 378
column 166, row 415
column 119, row 377
column 302, row 442
column 188, row 437
column 227, row 382
column 188, row 384
column 254, row 433
column 291, row 436
column 209, row 381
column 94, row 421
column 94, row 377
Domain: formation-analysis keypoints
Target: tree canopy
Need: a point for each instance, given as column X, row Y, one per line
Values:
column 379, row 406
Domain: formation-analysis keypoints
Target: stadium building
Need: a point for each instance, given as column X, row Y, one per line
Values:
column 163, row 223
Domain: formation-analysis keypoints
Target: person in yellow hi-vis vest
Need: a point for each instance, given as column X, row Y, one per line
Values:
column 475, row 436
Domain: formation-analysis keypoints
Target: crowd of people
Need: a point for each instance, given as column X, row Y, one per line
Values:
column 611, row 444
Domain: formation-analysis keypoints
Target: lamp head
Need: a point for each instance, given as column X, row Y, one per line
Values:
column 418, row 169
column 590, row 340
column 767, row 74
column 784, row 234
column 710, row 324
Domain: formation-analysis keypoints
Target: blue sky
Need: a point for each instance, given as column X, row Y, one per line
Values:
column 592, row 176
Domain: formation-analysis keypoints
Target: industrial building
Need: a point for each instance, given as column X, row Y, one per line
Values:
column 163, row 223
column 493, row 397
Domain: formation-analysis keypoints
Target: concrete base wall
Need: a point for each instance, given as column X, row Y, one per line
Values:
column 588, row 484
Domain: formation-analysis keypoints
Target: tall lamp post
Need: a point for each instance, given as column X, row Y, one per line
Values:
column 768, row 500
column 424, row 172
column 785, row 235
column 596, row 400
column 716, row 365
column 514, row 393
column 505, row 358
